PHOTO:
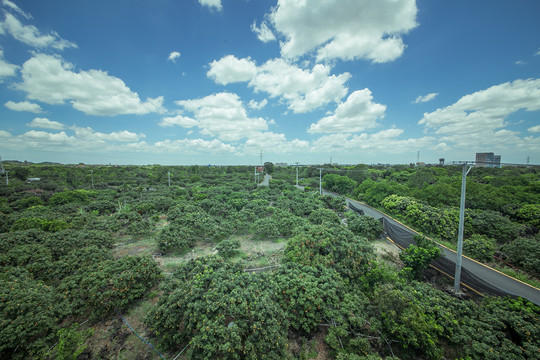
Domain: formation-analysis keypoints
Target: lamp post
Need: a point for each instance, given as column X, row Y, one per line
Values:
column 457, row 277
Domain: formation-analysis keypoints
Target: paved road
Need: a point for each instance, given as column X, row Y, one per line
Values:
column 475, row 276
column 266, row 180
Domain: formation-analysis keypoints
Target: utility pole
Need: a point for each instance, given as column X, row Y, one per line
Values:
column 7, row 177
column 92, row 177
column 169, row 177
column 297, row 173
column 320, row 181
column 457, row 277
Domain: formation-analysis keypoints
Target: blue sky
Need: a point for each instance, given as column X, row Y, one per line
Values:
column 217, row 81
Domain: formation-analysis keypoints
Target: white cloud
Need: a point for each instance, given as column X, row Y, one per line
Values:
column 425, row 98
column 44, row 123
column 519, row 62
column 302, row 90
column 53, row 81
column 178, row 120
column 34, row 138
column 345, row 29
column 223, row 115
column 6, row 69
column 87, row 133
column 173, row 56
column 263, row 32
column 230, row 69
column 23, row 106
column 257, row 105
column 356, row 114
column 479, row 118
column 212, row 4
column 193, row 146
column 17, row 9
column 275, row 143
column 534, row 129
column 30, row 35
column 537, row 53
column 385, row 141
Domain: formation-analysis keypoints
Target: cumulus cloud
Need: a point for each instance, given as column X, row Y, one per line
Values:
column 537, row 53
column 263, row 32
column 479, row 118
column 193, row 146
column 23, row 106
column 275, row 143
column 230, row 69
column 386, row 141
column 224, row 116
column 87, row 133
column 534, row 129
column 51, row 80
column 302, row 90
column 179, row 120
column 6, row 69
column 257, row 105
column 44, row 123
column 173, row 56
column 356, row 114
column 344, row 29
column 425, row 98
column 88, row 140
column 212, row 4
column 30, row 35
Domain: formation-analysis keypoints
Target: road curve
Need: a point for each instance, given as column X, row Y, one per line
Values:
column 475, row 276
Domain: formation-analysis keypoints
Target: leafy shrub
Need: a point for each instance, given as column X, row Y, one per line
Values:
column 73, row 196
column 364, row 226
column 228, row 247
column 29, row 312
column 110, row 285
column 306, row 294
column 222, row 312
column 479, row 247
column 321, row 216
column 525, row 253
column 175, row 237
column 495, row 225
column 417, row 257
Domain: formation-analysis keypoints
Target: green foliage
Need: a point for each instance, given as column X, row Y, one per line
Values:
column 71, row 342
column 403, row 319
column 110, row 285
column 341, row 184
column 30, row 311
column 222, row 312
column 73, row 196
column 494, row 225
column 525, row 253
column 479, row 247
column 37, row 223
column 228, row 248
column 306, row 294
column 364, row 226
column 442, row 223
column 324, row 216
column 530, row 214
column 337, row 247
column 417, row 257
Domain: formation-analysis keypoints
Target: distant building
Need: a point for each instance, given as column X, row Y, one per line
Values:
column 488, row 160
column 33, row 179
column 281, row 164
column 441, row 161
